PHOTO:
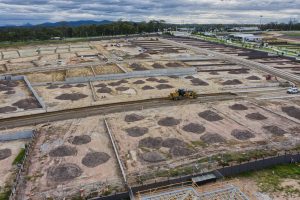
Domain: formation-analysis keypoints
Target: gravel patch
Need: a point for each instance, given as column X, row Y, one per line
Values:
column 137, row 131
column 5, row 153
column 7, row 109
column 194, row 128
column 64, row 172
column 151, row 143
column 153, row 157
column 168, row 121
column 238, row 107
column 292, row 111
column 71, row 97
column 210, row 116
column 232, row 82
column 275, row 130
column 256, row 116
column 211, row 138
column 171, row 142
column 80, row 139
column 63, row 151
column 94, row 159
column 242, row 134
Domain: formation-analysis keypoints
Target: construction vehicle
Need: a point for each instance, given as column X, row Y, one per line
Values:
column 182, row 94
column 293, row 90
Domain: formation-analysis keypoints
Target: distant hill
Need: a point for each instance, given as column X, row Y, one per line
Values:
column 65, row 23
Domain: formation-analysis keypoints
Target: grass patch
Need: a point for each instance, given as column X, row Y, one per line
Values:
column 20, row 157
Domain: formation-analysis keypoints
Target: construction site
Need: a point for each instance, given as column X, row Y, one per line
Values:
column 144, row 118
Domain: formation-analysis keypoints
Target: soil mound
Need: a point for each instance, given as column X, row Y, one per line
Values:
column 256, row 116
column 106, row 90
column 151, row 79
column 137, row 131
column 164, row 86
column 151, row 143
column 139, row 82
column 80, row 139
column 153, row 157
column 238, row 107
column 133, row 117
column 147, row 87
column 142, row 55
column 174, row 64
column 210, row 116
column 199, row 82
column 168, row 121
column 66, row 86
column 9, row 83
column 94, row 159
column 71, row 97
column 52, row 87
column 189, row 77
column 137, row 67
column 117, row 83
column 242, row 134
column 179, row 151
column 292, row 111
column 80, row 85
column 63, row 151
column 232, row 82
column 171, row 142
column 253, row 78
column 5, row 88
column 64, row 172
column 122, row 89
column 194, row 128
column 211, row 138
column 275, row 130
column 213, row 73
column 5, row 153
column 10, row 92
column 239, row 71
column 157, row 66
column 162, row 81
column 7, row 109
column 100, row 85
column 27, row 104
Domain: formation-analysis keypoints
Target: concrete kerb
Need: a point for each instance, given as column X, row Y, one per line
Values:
column 26, row 134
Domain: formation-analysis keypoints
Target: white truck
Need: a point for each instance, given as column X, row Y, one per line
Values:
column 293, row 90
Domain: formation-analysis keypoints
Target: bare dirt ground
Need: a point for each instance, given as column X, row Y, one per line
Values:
column 71, row 155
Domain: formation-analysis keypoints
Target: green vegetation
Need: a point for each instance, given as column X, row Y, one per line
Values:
column 270, row 180
column 5, row 193
column 20, row 157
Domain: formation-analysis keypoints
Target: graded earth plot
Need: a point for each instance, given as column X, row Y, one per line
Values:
column 16, row 97
column 70, row 156
column 121, row 48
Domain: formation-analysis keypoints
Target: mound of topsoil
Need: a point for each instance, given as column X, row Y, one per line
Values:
column 137, row 67
column 5, row 153
column 66, row 86
column 199, row 82
column 151, row 143
column 178, row 151
column 213, row 73
column 242, row 134
column 168, row 121
column 239, row 71
column 27, row 104
column 174, row 64
column 232, row 82
column 153, row 157
column 189, row 77
column 151, row 79
column 64, row 172
column 7, row 109
column 162, row 81
column 147, row 87
column 139, row 82
column 157, row 66
column 133, row 117
column 9, row 83
column 137, row 131
column 94, row 159
column 194, row 128
column 80, row 139
column 238, row 107
column 122, row 89
column 256, row 116
column 211, row 138
column 62, row 151
column 142, row 56
column 52, row 86
column 80, row 85
column 171, row 142
column 210, row 116
column 292, row 111
column 253, row 78
column 71, row 96
column 275, row 130
column 100, row 85
column 105, row 90
column 164, row 86
column 5, row 88
column 10, row 92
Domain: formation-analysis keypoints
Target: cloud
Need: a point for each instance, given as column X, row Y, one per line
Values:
column 174, row 11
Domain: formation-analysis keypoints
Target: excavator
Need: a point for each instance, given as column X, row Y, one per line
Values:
column 182, row 94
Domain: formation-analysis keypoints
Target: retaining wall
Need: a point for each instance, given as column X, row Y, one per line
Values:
column 27, row 134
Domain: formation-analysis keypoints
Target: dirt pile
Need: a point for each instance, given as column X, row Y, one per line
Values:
column 147, row 87
column 256, row 116
column 210, row 116
column 178, row 151
column 5, row 88
column 198, row 82
column 168, row 121
column 117, row 83
column 27, row 104
column 194, row 128
column 137, row 131
column 7, row 109
column 189, row 77
column 137, row 67
column 238, row 107
column 66, row 86
column 5, row 153
column 71, row 96
column 10, row 92
column 171, row 142
column 94, row 159
column 174, row 64
column 158, row 66
column 151, row 143
column 9, row 83
column 253, row 78
column 239, row 71
column 211, row 138
column 104, row 90
column 52, row 87
column 122, row 89
column 153, row 157
column 275, row 130
column 292, row 111
column 80, row 85
column 164, row 86
column 162, row 81
column 133, row 118
column 80, row 139
column 142, row 56
column 213, row 73
column 139, row 82
column 151, row 79
column 64, row 172
column 100, row 85
column 232, row 82
column 62, row 151
column 242, row 134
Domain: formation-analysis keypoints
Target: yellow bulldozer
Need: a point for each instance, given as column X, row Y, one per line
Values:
column 182, row 94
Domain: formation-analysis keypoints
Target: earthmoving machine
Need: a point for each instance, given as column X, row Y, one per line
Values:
column 182, row 94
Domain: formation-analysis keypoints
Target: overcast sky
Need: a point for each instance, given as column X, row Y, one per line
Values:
column 174, row 11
